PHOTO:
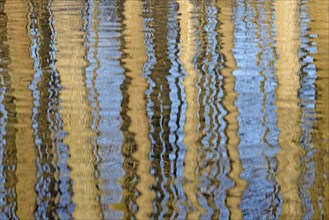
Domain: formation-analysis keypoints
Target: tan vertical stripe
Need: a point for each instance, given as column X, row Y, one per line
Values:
column 319, row 25
column 188, row 51
column 76, row 111
column 134, row 62
column 234, row 195
column 289, row 164
column 21, row 73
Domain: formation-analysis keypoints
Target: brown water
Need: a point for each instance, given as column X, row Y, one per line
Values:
column 183, row 109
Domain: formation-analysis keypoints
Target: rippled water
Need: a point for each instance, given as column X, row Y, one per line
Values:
column 175, row 109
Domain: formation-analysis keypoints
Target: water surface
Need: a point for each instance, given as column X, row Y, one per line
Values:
column 173, row 109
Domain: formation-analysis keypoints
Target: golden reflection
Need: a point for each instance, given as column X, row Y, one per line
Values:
column 76, row 111
column 21, row 74
column 289, row 113
column 145, row 168
column 133, row 63
column 234, row 195
column 191, row 116
column 319, row 25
